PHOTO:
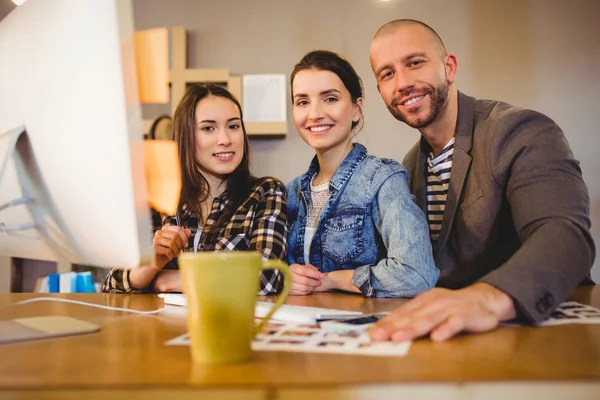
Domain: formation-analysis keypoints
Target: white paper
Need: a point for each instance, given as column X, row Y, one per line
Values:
column 312, row 339
column 264, row 97
column 570, row 312
column 285, row 313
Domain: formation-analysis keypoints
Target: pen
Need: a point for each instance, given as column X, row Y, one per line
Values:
column 329, row 317
column 177, row 219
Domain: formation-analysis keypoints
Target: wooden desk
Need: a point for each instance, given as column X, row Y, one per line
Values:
column 128, row 355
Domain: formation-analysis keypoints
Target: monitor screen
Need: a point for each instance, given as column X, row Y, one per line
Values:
column 68, row 91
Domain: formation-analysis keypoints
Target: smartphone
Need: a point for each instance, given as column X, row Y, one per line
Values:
column 356, row 324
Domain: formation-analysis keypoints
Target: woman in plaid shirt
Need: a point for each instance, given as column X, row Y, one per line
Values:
column 222, row 206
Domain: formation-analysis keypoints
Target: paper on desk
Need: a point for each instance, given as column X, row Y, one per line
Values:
column 312, row 339
column 570, row 312
column 162, row 175
column 286, row 313
column 264, row 97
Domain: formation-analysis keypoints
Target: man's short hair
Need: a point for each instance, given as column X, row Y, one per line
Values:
column 392, row 26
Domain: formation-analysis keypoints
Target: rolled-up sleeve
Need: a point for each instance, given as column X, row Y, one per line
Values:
column 117, row 281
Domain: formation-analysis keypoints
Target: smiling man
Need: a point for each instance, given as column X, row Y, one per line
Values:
column 505, row 200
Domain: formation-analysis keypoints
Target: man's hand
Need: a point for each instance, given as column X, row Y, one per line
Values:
column 305, row 279
column 444, row 313
column 168, row 280
column 168, row 243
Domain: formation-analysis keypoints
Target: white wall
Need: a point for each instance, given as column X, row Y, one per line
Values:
column 540, row 54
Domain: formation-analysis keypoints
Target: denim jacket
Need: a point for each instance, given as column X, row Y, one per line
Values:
column 371, row 224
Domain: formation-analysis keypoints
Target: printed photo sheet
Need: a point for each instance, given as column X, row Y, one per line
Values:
column 311, row 339
column 572, row 312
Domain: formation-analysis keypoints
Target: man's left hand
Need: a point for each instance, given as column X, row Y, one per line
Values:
column 444, row 313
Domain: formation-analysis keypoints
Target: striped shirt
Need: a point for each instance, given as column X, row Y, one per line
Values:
column 438, row 178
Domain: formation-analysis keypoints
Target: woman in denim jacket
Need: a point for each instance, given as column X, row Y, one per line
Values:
column 354, row 225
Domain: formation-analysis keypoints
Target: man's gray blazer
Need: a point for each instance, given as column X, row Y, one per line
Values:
column 517, row 211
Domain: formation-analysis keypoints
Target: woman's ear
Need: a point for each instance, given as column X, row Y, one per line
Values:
column 358, row 106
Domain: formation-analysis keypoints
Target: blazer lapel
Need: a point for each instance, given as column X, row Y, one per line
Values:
column 461, row 162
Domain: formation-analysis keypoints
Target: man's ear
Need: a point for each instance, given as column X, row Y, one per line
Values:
column 451, row 65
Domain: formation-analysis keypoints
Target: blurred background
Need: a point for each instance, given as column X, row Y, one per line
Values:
column 538, row 54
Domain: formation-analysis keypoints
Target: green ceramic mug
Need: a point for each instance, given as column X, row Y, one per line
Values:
column 221, row 290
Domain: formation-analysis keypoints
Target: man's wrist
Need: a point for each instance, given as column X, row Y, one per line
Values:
column 496, row 300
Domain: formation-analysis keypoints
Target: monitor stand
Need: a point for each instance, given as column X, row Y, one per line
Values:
column 45, row 219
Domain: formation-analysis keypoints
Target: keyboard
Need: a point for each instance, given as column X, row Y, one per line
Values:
column 286, row 313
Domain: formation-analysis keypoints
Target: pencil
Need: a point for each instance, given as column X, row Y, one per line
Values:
column 177, row 219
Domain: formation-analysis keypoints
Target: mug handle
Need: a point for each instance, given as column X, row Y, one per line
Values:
column 287, row 284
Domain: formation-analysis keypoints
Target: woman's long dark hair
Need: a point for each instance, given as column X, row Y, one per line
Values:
column 194, row 187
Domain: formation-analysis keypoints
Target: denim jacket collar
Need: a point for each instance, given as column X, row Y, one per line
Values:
column 342, row 174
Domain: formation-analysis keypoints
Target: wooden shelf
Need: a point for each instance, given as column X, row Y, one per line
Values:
column 278, row 128
column 181, row 76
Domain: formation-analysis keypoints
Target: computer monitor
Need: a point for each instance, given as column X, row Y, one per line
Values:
column 68, row 93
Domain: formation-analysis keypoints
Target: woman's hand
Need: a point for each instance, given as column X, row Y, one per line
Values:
column 168, row 243
column 305, row 279
column 168, row 280
column 341, row 280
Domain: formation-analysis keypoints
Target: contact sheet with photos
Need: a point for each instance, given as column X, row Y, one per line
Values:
column 312, row 339
column 572, row 312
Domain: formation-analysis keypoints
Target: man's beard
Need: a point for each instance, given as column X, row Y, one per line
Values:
column 439, row 95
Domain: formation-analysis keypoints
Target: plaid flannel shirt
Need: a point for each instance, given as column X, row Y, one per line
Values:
column 259, row 223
